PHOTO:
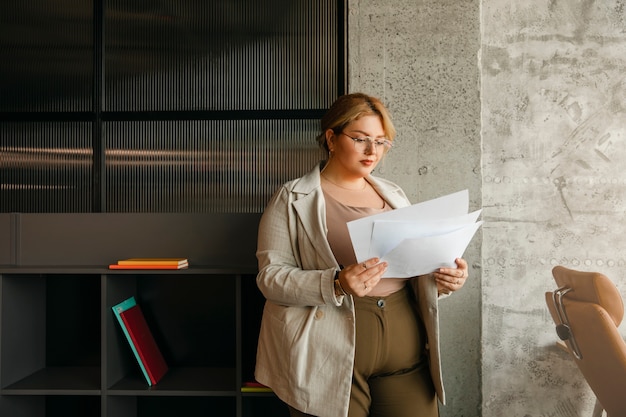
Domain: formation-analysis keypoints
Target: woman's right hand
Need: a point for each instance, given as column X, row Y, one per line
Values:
column 359, row 279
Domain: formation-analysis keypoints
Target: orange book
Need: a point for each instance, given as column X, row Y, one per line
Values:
column 153, row 261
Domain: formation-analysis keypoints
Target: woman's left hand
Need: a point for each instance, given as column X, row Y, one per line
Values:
column 451, row 279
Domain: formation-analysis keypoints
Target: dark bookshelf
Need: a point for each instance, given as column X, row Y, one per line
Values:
column 61, row 349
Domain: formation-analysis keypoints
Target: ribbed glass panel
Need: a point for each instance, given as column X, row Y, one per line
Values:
column 221, row 55
column 204, row 166
column 47, row 55
column 256, row 60
column 45, row 167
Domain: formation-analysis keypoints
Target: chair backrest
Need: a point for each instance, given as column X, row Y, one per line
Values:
column 587, row 309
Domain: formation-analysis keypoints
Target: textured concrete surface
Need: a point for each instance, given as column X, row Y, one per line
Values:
column 554, row 125
column 420, row 58
column 524, row 104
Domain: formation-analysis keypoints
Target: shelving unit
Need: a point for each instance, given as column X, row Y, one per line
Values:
column 62, row 351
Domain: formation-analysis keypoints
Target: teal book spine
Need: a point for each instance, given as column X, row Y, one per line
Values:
column 117, row 310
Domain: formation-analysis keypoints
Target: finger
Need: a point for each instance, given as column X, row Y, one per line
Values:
column 373, row 280
column 461, row 263
column 452, row 283
column 451, row 273
column 448, row 282
column 368, row 271
column 369, row 263
column 371, row 277
column 375, row 273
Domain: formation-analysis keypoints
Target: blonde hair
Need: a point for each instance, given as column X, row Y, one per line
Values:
column 351, row 107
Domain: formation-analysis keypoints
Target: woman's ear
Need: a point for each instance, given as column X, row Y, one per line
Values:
column 330, row 137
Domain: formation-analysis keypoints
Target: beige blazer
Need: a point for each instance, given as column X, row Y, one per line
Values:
column 307, row 337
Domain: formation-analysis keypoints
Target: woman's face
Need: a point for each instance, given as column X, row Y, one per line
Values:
column 352, row 158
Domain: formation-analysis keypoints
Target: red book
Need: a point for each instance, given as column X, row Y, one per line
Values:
column 253, row 386
column 117, row 266
column 145, row 344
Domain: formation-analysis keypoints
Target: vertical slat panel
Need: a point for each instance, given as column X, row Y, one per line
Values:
column 240, row 56
column 46, row 167
column 221, row 55
column 202, row 166
column 46, row 49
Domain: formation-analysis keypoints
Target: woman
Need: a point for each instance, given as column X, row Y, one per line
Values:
column 336, row 339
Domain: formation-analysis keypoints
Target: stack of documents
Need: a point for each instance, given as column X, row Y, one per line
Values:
column 418, row 239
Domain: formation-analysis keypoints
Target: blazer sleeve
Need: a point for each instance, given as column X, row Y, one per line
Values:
column 282, row 278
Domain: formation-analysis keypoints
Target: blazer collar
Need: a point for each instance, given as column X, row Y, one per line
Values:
column 310, row 182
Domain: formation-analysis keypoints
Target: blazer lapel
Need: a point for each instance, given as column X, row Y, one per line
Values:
column 310, row 208
column 392, row 194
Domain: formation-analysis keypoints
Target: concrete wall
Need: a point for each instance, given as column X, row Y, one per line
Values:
column 420, row 58
column 553, row 126
column 524, row 104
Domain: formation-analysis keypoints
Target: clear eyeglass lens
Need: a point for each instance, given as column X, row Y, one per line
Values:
column 362, row 144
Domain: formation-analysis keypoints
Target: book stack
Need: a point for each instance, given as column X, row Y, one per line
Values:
column 142, row 343
column 151, row 263
column 254, row 386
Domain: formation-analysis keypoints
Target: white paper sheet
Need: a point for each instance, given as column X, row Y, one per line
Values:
column 423, row 255
column 418, row 239
column 387, row 234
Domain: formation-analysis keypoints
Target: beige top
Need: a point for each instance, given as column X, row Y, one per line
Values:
column 337, row 217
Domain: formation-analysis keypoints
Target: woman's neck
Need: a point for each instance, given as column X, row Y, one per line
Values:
column 338, row 179
column 355, row 185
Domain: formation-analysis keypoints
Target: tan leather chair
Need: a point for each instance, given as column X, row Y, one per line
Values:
column 587, row 309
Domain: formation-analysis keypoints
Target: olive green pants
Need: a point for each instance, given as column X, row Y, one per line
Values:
column 391, row 376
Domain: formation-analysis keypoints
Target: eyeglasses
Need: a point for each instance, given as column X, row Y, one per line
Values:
column 362, row 144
